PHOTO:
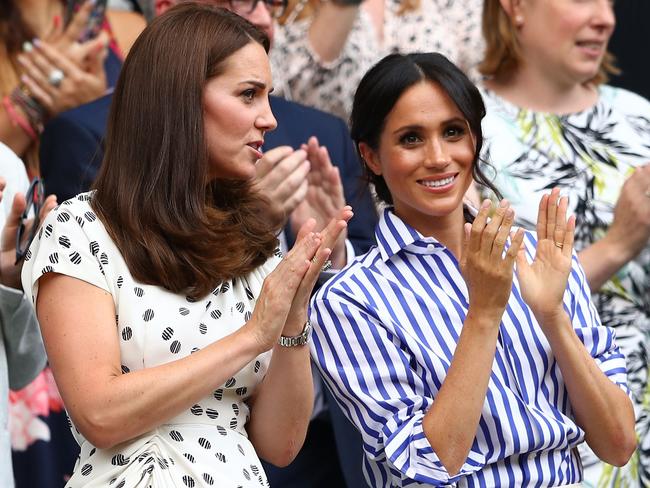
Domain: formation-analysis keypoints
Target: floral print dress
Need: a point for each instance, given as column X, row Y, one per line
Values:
column 589, row 155
column 450, row 27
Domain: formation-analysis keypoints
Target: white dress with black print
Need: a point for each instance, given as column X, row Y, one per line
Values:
column 206, row 445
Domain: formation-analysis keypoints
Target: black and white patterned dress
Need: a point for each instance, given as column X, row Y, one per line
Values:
column 206, row 445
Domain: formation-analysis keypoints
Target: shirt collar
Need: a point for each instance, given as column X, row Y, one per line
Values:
column 393, row 235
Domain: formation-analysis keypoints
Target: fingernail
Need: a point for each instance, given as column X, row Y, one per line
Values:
column 57, row 21
column 510, row 212
column 27, row 47
column 36, row 41
column 504, row 203
column 486, row 203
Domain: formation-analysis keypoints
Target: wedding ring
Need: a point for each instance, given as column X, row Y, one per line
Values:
column 327, row 265
column 559, row 245
column 56, row 77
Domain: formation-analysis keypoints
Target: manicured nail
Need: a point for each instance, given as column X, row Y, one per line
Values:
column 504, row 203
column 57, row 21
column 27, row 47
column 36, row 41
column 486, row 203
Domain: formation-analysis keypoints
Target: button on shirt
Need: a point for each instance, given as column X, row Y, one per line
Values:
column 385, row 331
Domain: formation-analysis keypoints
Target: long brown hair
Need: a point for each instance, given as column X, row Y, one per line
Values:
column 174, row 227
column 503, row 54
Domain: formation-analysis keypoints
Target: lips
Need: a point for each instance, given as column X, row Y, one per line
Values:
column 256, row 146
column 438, row 183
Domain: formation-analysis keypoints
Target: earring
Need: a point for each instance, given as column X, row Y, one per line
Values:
column 519, row 20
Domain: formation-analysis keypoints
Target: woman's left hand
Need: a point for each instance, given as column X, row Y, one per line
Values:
column 544, row 281
column 324, row 197
column 298, row 312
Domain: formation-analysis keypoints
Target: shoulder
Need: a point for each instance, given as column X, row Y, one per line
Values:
column 625, row 101
column 126, row 27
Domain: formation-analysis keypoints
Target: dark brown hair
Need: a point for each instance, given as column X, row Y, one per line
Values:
column 174, row 227
column 383, row 85
column 503, row 54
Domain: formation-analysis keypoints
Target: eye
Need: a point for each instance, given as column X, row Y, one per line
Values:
column 410, row 139
column 248, row 95
column 455, row 131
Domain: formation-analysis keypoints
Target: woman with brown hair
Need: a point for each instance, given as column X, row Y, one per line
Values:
column 553, row 122
column 176, row 334
column 322, row 49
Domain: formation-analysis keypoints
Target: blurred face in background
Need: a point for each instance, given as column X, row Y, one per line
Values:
column 260, row 13
column 567, row 39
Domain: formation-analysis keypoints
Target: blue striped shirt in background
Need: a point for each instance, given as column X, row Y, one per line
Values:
column 385, row 331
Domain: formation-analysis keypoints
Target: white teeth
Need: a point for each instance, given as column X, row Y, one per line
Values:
column 437, row 183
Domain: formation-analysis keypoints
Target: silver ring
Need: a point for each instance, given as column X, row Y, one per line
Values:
column 327, row 265
column 56, row 77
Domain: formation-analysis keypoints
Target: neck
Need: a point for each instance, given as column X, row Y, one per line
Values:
column 39, row 15
column 553, row 94
column 447, row 230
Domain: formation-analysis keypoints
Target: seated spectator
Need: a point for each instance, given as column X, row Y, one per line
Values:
column 175, row 230
column 22, row 355
column 454, row 372
column 324, row 48
column 553, row 122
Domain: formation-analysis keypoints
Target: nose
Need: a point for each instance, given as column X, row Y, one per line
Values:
column 604, row 17
column 437, row 155
column 266, row 120
column 261, row 18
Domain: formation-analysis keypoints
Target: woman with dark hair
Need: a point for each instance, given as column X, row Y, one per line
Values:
column 552, row 121
column 456, row 372
column 175, row 333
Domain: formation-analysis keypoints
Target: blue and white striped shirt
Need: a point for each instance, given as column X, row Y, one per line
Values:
column 385, row 331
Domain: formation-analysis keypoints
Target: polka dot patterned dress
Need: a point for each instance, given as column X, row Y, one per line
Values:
column 206, row 445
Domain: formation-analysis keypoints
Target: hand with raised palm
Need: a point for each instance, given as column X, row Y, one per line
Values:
column 543, row 282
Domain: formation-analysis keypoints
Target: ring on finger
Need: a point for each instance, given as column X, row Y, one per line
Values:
column 55, row 77
column 558, row 245
column 327, row 265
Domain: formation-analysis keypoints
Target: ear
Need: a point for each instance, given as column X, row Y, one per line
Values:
column 161, row 6
column 370, row 158
column 514, row 10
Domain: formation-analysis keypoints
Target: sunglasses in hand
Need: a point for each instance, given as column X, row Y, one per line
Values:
column 27, row 231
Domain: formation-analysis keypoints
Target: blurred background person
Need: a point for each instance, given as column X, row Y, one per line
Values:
column 44, row 70
column 553, row 122
column 323, row 48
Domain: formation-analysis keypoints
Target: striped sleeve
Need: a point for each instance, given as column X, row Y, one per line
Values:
column 599, row 340
column 381, row 388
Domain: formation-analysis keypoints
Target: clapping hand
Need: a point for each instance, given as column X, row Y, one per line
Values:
column 324, row 197
column 9, row 270
column 544, row 281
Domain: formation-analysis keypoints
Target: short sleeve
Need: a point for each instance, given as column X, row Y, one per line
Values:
column 62, row 245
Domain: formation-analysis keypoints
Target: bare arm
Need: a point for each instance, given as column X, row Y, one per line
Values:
column 450, row 425
column 330, row 28
column 280, row 411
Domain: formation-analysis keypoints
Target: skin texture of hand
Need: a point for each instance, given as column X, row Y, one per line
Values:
column 487, row 273
column 631, row 226
column 329, row 236
column 79, row 85
column 281, row 177
column 9, row 270
column 544, row 281
column 324, row 198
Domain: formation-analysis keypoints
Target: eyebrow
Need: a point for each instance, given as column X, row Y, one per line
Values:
column 258, row 84
column 416, row 127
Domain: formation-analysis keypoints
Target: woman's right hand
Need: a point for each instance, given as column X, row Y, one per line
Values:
column 487, row 272
column 78, row 85
column 630, row 229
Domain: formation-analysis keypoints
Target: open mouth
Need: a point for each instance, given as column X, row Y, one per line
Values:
column 439, row 183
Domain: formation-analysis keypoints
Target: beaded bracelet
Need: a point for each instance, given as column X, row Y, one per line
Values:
column 17, row 119
column 34, row 111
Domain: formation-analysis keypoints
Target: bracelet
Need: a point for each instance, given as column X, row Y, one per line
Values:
column 299, row 340
column 17, row 119
column 34, row 111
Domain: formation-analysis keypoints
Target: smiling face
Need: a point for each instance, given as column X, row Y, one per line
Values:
column 425, row 155
column 566, row 38
column 236, row 113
